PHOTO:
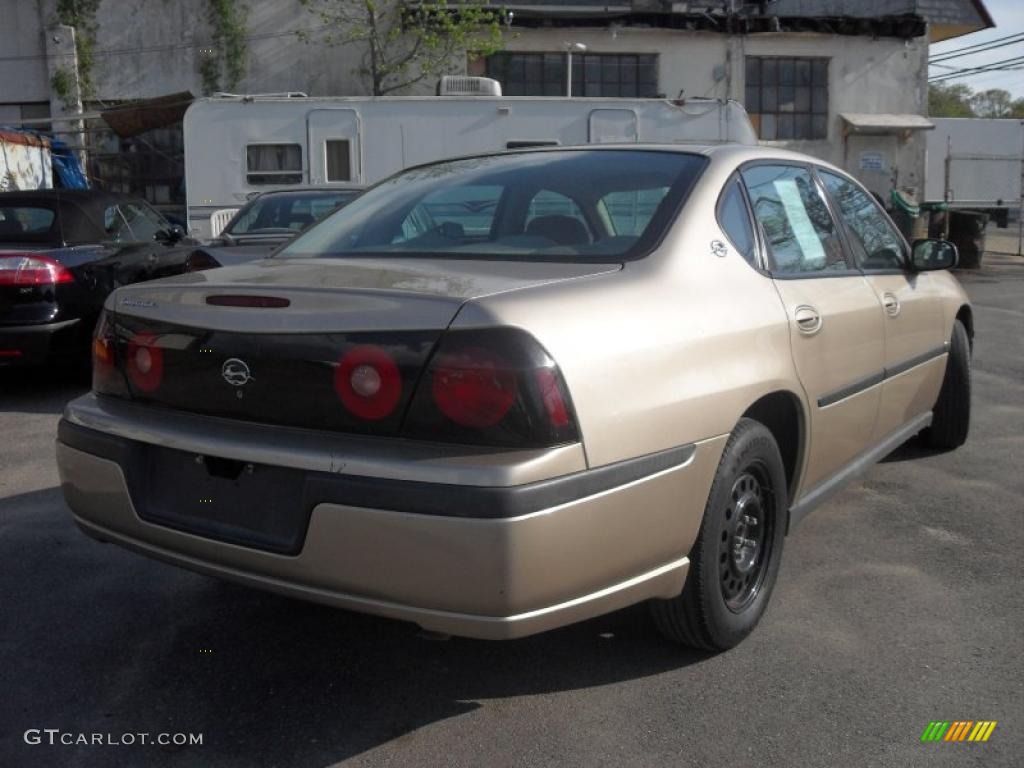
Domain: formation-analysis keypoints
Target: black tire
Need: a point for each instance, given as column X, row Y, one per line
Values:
column 951, row 416
column 730, row 581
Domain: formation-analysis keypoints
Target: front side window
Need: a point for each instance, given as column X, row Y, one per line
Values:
column 735, row 221
column 563, row 206
column 875, row 241
column 798, row 229
column 629, row 75
column 787, row 98
column 273, row 164
column 142, row 222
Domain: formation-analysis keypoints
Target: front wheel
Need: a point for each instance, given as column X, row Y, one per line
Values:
column 951, row 417
column 735, row 560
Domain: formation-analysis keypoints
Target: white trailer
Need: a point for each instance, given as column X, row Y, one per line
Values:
column 237, row 146
column 975, row 164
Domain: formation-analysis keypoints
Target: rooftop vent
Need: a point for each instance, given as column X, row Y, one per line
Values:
column 460, row 85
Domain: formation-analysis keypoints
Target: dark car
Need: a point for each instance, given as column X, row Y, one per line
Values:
column 62, row 251
column 267, row 221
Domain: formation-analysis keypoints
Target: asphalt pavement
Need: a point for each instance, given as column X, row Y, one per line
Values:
column 900, row 602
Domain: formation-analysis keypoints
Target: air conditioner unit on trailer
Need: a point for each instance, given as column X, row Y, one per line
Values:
column 460, row 85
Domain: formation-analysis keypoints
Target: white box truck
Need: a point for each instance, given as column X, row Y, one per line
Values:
column 237, row 146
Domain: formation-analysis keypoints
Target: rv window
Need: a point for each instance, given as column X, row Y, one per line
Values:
column 338, row 160
column 273, row 163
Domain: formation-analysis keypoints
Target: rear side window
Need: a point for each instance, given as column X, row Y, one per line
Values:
column 734, row 219
column 17, row 220
column 875, row 242
column 273, row 164
column 798, row 229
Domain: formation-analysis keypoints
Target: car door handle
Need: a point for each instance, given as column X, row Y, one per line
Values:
column 891, row 304
column 808, row 320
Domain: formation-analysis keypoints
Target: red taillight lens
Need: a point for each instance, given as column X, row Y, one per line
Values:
column 492, row 386
column 368, row 382
column 144, row 362
column 473, row 387
column 106, row 378
column 31, row 269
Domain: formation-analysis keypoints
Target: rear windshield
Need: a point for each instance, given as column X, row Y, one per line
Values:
column 286, row 214
column 567, row 206
column 27, row 222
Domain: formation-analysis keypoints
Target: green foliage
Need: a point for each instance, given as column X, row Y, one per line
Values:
column 63, row 84
column 961, row 101
column 407, row 43
column 226, row 57
column 81, row 14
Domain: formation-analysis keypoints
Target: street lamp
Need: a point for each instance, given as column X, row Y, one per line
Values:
column 569, row 48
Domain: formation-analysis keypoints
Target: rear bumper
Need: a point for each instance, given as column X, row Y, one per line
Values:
column 455, row 567
column 36, row 344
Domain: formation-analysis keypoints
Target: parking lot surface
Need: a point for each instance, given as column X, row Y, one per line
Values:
column 898, row 603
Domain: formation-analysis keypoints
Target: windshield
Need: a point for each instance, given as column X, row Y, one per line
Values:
column 569, row 205
column 287, row 213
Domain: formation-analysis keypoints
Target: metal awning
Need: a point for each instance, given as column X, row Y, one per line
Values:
column 859, row 122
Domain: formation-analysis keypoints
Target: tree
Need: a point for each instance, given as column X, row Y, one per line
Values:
column 407, row 43
column 994, row 102
column 950, row 100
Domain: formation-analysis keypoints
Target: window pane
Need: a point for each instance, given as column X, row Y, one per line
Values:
column 753, row 73
column 735, row 221
column 787, row 98
column 769, row 71
column 800, row 234
column 770, row 98
column 803, row 99
column 876, row 245
column 785, row 126
column 803, row 71
column 802, row 127
column 338, row 163
column 769, row 127
column 787, row 72
column 819, row 71
column 752, row 100
column 24, row 220
column 274, row 157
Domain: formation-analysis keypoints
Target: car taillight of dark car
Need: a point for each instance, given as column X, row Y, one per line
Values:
column 490, row 386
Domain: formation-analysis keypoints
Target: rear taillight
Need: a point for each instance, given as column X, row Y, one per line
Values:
column 368, row 382
column 25, row 269
column 494, row 386
column 144, row 361
column 107, row 379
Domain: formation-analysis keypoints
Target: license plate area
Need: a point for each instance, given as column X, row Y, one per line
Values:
column 252, row 505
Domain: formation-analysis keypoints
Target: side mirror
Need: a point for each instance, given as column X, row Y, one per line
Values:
column 173, row 234
column 930, row 255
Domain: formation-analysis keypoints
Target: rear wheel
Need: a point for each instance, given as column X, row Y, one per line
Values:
column 951, row 417
column 735, row 560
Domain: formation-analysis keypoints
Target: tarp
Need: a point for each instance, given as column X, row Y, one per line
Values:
column 66, row 166
column 135, row 117
column 25, row 161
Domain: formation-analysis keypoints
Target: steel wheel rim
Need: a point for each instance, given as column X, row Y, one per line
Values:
column 745, row 537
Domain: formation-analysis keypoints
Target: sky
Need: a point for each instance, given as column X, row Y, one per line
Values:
column 1009, row 18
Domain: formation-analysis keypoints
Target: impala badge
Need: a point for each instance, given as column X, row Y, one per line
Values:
column 236, row 372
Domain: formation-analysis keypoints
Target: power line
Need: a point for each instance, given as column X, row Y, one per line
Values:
column 975, row 45
column 1016, row 41
column 1011, row 63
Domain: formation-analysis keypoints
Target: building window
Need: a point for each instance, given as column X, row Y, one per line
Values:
column 787, row 98
column 273, row 164
column 338, row 160
column 593, row 74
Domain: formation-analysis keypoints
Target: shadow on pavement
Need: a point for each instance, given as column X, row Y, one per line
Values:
column 100, row 639
column 41, row 390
